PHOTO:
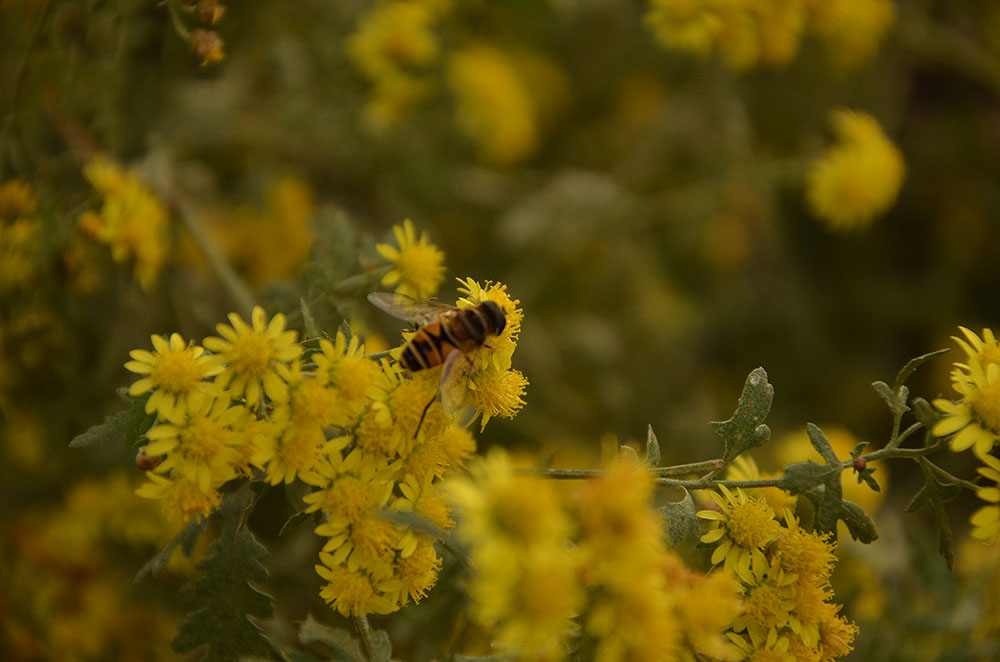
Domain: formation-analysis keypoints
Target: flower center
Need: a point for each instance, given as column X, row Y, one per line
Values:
column 986, row 406
column 751, row 525
column 420, row 265
column 177, row 372
column 202, row 439
column 312, row 403
column 251, row 355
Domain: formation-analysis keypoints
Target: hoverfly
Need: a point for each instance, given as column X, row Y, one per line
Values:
column 445, row 336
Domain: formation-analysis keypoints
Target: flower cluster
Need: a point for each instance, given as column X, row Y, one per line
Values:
column 857, row 179
column 783, row 571
column 589, row 568
column 749, row 33
column 132, row 221
column 369, row 438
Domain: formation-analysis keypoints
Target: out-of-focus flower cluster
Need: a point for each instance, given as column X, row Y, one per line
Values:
column 586, row 568
column 370, row 438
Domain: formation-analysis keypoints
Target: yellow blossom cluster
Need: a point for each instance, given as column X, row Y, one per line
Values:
column 20, row 249
column 750, row 33
column 859, row 177
column 132, row 221
column 554, row 570
column 369, row 438
column 783, row 571
column 973, row 421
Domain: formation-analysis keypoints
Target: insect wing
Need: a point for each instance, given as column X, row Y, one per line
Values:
column 407, row 308
column 455, row 377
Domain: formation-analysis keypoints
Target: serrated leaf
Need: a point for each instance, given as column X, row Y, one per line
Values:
column 859, row 524
column 746, row 430
column 186, row 539
column 894, row 399
column 222, row 627
column 653, row 456
column 682, row 520
column 936, row 494
column 801, row 477
column 308, row 321
column 915, row 363
column 125, row 427
column 340, row 642
column 293, row 522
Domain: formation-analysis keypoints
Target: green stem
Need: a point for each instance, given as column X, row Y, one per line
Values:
column 238, row 290
column 951, row 478
column 379, row 355
column 708, row 483
column 691, row 468
column 365, row 630
column 364, row 279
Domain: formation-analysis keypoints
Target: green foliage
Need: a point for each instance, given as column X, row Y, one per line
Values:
column 186, row 540
column 936, row 493
column 343, row 645
column 222, row 625
column 126, row 427
column 653, row 456
column 682, row 520
column 915, row 363
column 746, row 429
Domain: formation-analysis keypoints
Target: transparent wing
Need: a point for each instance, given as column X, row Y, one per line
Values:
column 407, row 308
column 455, row 375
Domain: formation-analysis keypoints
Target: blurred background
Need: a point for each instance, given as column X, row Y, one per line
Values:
column 637, row 173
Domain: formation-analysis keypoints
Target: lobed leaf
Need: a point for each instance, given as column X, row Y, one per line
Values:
column 125, row 427
column 682, row 520
column 222, row 626
column 936, row 493
column 859, row 524
column 746, row 430
column 894, row 399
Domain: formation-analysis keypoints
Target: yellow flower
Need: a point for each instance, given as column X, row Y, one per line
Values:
column 180, row 495
column 252, row 354
column 175, row 372
column 742, row 526
column 768, row 601
column 354, row 380
column 132, row 220
column 418, row 265
column 770, row 649
column 807, row 554
column 496, row 393
column 689, row 26
column 20, row 254
column 745, row 468
column 975, row 419
column 417, row 571
column 351, row 592
column 986, row 520
column 393, row 37
column 985, row 350
column 852, row 29
column 200, row 443
column 296, row 452
column 495, row 107
column 858, row 178
column 16, row 199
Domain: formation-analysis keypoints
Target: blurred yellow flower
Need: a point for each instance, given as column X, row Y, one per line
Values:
column 494, row 106
column 852, row 29
column 132, row 220
column 857, row 179
column 418, row 265
column 689, row 26
column 16, row 199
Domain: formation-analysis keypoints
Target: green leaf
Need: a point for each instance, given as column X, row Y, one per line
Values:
column 341, row 643
column 936, row 493
column 859, row 524
column 682, row 520
column 125, row 427
column 381, row 646
column 913, row 364
column 222, row 626
column 828, row 501
column 746, row 430
column 308, row 321
column 858, row 450
column 869, row 479
column 653, row 456
column 186, row 539
column 801, row 477
column 629, row 452
column 894, row 399
column 293, row 522
column 924, row 412
column 345, row 328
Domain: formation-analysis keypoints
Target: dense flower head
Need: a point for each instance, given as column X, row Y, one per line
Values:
column 132, row 220
column 974, row 420
column 742, row 526
column 418, row 265
column 858, row 178
column 174, row 374
column 252, row 354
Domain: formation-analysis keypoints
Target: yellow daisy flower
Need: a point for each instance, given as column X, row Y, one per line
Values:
column 252, row 354
column 742, row 526
column 180, row 495
column 418, row 265
column 975, row 419
column 174, row 371
column 986, row 520
column 985, row 350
